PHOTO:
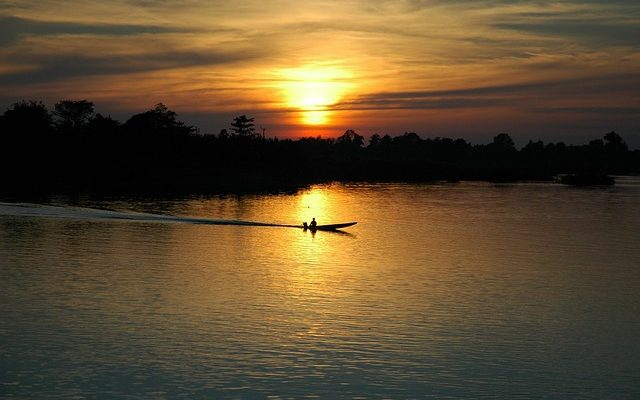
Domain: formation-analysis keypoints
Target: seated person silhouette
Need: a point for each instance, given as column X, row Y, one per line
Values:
column 305, row 226
column 313, row 224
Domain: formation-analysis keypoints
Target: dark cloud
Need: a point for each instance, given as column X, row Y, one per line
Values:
column 541, row 3
column 591, row 111
column 13, row 28
column 55, row 67
column 606, row 87
column 59, row 67
column 419, row 103
column 600, row 33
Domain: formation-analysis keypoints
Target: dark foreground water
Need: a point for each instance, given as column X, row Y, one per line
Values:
column 466, row 290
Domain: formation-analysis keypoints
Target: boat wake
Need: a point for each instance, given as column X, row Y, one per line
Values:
column 81, row 213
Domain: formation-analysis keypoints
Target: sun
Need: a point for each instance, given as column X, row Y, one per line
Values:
column 315, row 117
column 313, row 90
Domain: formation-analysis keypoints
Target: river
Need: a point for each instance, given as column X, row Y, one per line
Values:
column 446, row 291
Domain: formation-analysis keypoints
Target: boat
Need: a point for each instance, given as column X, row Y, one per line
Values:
column 330, row 227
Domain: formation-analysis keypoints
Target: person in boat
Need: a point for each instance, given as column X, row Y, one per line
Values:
column 305, row 226
column 313, row 223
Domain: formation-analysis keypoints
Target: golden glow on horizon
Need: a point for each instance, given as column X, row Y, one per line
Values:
column 315, row 117
column 313, row 90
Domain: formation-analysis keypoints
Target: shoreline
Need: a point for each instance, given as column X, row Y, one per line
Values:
column 173, row 189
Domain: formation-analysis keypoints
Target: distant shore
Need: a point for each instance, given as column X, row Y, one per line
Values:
column 74, row 150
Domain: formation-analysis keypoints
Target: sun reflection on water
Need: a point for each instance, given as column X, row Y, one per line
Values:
column 315, row 203
column 299, row 281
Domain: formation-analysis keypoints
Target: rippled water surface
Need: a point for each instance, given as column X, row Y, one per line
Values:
column 468, row 290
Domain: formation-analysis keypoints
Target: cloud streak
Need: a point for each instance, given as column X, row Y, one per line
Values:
column 52, row 68
column 620, row 86
column 13, row 28
column 418, row 57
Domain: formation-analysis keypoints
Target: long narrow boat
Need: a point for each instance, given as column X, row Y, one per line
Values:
column 331, row 227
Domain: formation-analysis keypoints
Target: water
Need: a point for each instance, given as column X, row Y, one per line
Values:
column 467, row 290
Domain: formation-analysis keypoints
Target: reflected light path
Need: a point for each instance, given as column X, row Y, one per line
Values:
column 315, row 203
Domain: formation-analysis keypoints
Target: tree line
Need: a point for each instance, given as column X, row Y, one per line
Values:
column 73, row 148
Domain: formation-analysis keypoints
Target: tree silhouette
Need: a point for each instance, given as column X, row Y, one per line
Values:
column 407, row 139
column 614, row 142
column 158, row 121
column 103, row 125
column 153, row 150
column 29, row 117
column 243, row 126
column 503, row 142
column 73, row 114
column 350, row 138
column 374, row 140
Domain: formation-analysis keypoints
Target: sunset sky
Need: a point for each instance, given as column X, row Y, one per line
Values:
column 551, row 70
